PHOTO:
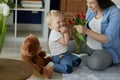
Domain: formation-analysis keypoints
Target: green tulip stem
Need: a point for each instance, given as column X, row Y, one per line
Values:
column 78, row 48
column 3, row 33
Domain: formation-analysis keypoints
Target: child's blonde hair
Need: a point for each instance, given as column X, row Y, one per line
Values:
column 52, row 14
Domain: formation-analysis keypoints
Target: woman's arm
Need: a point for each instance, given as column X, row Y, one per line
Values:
column 97, row 36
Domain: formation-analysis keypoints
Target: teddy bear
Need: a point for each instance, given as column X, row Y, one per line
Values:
column 32, row 53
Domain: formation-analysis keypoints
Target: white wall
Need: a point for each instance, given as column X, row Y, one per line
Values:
column 117, row 2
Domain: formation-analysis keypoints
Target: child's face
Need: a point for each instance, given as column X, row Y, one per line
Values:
column 57, row 22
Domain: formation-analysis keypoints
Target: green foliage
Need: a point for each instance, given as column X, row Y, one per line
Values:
column 4, row 1
column 3, row 27
column 1, row 22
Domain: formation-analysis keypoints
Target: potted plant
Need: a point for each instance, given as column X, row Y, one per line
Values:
column 6, row 7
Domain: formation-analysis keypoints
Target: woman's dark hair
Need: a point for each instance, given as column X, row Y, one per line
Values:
column 105, row 3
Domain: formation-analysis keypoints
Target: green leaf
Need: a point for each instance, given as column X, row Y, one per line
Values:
column 11, row 4
column 3, row 32
column 1, row 23
column 75, row 21
column 78, row 40
column 3, row 1
column 2, row 36
column 80, row 36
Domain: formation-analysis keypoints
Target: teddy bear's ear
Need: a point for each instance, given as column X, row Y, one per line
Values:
column 31, row 44
column 30, row 49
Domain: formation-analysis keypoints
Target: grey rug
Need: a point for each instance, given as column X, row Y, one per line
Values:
column 83, row 73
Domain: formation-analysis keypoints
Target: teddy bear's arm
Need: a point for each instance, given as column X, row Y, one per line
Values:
column 42, row 54
column 46, row 59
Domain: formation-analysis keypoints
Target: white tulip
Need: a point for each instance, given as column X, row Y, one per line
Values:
column 5, row 9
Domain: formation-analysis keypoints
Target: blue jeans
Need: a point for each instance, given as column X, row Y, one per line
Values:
column 65, row 62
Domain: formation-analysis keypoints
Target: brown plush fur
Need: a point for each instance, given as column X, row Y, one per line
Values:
column 32, row 53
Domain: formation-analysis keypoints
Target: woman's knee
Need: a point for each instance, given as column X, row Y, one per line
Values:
column 100, row 60
column 95, row 64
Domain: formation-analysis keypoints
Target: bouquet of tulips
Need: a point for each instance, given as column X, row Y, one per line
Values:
column 79, row 19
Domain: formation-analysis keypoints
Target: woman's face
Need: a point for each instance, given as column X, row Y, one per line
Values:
column 93, row 5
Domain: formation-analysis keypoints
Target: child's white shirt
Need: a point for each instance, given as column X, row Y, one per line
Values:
column 55, row 47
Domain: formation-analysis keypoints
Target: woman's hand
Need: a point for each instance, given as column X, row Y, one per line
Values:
column 79, row 28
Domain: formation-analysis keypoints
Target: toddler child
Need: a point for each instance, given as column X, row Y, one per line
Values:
column 58, row 43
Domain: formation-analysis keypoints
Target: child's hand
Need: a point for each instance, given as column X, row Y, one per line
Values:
column 63, row 30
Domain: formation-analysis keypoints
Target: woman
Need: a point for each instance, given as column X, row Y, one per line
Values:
column 103, row 34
